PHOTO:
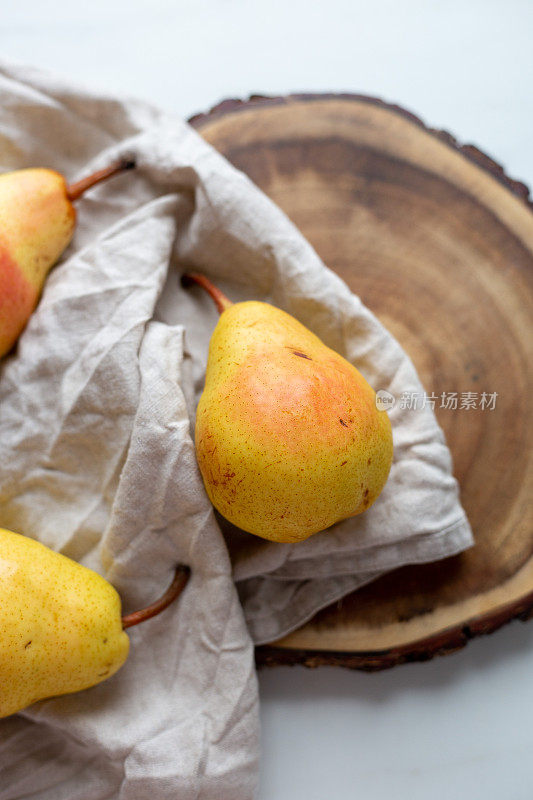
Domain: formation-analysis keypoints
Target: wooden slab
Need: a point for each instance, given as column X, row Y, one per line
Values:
column 438, row 242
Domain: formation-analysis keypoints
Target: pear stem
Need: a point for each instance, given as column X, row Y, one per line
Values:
column 181, row 576
column 75, row 190
column 219, row 298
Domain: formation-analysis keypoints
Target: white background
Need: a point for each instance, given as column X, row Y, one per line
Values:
column 461, row 727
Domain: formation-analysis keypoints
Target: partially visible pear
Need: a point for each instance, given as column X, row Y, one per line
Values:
column 60, row 623
column 37, row 221
column 288, row 436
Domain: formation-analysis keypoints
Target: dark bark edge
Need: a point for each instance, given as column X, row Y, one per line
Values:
column 470, row 151
column 439, row 644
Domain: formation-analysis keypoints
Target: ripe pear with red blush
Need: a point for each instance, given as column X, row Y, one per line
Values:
column 37, row 221
column 289, row 439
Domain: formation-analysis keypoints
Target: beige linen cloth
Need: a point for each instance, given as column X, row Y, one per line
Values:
column 97, row 457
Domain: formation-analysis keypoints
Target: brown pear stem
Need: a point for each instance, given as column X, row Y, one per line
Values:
column 219, row 298
column 75, row 190
column 181, row 576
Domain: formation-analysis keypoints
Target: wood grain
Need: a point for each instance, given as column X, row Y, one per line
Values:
column 438, row 242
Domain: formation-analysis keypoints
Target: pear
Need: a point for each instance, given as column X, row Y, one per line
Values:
column 61, row 628
column 288, row 437
column 37, row 221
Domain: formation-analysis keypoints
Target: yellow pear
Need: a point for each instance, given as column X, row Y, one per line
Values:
column 37, row 222
column 61, row 628
column 288, row 436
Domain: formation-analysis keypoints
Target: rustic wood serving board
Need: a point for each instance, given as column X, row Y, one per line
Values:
column 438, row 242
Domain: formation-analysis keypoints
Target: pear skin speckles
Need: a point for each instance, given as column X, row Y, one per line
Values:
column 36, row 223
column 60, row 625
column 288, row 436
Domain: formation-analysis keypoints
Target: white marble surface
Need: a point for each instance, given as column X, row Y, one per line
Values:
column 458, row 727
